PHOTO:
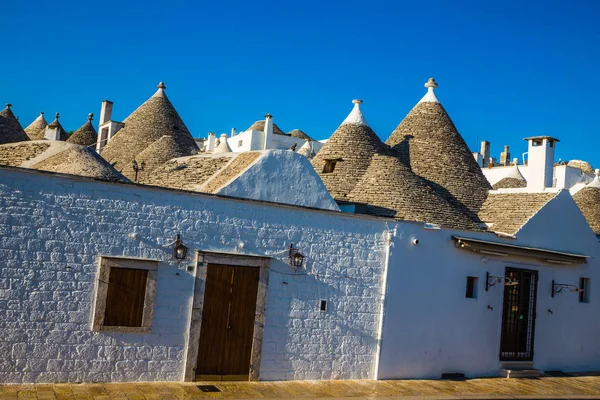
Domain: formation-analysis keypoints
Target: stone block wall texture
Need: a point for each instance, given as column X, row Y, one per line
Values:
column 53, row 228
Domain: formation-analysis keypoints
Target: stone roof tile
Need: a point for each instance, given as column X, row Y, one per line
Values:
column 86, row 135
column 11, row 130
column 36, row 130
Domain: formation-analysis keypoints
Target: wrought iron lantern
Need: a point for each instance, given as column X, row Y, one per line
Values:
column 494, row 280
column 560, row 287
column 179, row 250
column 296, row 259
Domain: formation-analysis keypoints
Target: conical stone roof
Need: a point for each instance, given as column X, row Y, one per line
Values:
column 152, row 120
column 297, row 133
column 86, row 135
column 36, row 130
column 391, row 189
column 588, row 200
column 164, row 149
column 10, row 129
column 350, row 148
column 260, row 126
column 307, row 149
column 430, row 144
column 223, row 147
column 514, row 179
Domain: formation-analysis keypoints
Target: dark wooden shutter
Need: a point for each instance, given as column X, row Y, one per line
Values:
column 125, row 297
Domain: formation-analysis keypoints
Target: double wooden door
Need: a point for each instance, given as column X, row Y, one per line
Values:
column 227, row 326
column 518, row 315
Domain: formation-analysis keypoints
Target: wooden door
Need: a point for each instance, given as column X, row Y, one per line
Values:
column 518, row 315
column 227, row 324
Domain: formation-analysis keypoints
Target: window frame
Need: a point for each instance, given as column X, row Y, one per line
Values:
column 102, row 279
column 584, row 287
column 474, row 292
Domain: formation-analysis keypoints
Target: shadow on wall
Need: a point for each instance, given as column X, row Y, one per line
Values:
column 339, row 336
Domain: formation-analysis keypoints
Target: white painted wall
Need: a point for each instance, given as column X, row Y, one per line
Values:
column 53, row 227
column 254, row 140
column 430, row 327
column 291, row 180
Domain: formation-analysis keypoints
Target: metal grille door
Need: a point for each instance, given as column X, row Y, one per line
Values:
column 518, row 315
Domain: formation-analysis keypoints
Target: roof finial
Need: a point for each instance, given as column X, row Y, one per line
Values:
column 8, row 106
column 431, row 83
column 161, row 85
column 90, row 116
column 268, row 116
column 356, row 116
column 41, row 113
column 57, row 116
column 430, row 96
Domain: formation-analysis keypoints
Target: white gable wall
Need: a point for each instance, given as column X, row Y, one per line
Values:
column 291, row 180
column 53, row 228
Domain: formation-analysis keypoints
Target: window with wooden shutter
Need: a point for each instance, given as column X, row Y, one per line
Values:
column 125, row 295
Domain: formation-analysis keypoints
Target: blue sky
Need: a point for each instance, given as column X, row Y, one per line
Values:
column 506, row 69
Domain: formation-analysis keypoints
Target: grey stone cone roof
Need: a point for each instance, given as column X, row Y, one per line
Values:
column 508, row 182
column 151, row 121
column 36, row 130
column 58, row 156
column 582, row 165
column 391, row 189
column 164, row 149
column 352, row 145
column 297, row 133
column 260, row 126
column 588, row 200
column 430, row 144
column 508, row 212
column 86, row 135
column 10, row 129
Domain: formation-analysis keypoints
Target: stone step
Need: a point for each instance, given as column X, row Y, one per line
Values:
column 516, row 364
column 520, row 373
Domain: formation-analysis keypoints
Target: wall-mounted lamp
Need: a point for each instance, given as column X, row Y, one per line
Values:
column 494, row 280
column 295, row 258
column 179, row 250
column 559, row 287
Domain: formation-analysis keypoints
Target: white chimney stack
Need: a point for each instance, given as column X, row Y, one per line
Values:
column 268, row 131
column 211, row 142
column 106, row 111
column 233, row 132
column 485, row 153
column 540, row 162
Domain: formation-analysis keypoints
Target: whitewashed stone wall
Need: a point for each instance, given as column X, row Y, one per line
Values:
column 53, row 228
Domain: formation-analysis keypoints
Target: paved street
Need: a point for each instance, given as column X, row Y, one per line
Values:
column 547, row 387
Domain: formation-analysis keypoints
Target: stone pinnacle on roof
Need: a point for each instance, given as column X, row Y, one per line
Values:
column 86, row 135
column 345, row 157
column 37, row 128
column 356, row 116
column 430, row 144
column 430, row 96
column 151, row 121
column 10, row 129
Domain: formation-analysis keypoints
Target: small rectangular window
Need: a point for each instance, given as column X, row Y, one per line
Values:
column 584, row 290
column 471, row 287
column 240, row 142
column 329, row 166
column 125, row 294
column 323, row 305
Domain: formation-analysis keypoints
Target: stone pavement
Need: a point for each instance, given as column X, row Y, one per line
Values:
column 546, row 387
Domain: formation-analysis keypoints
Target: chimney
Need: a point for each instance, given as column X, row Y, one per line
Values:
column 268, row 131
column 211, row 142
column 540, row 162
column 106, row 111
column 485, row 153
column 223, row 136
column 51, row 133
column 233, row 132
column 505, row 156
